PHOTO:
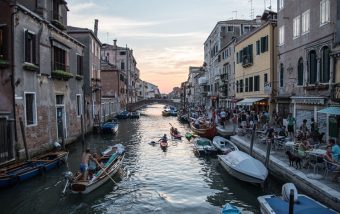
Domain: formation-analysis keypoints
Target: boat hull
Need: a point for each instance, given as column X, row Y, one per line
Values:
column 207, row 149
column 208, row 132
column 223, row 145
column 86, row 187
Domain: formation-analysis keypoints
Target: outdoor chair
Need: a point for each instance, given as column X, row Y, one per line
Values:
column 329, row 167
column 315, row 162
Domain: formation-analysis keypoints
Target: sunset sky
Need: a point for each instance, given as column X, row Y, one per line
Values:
column 167, row 36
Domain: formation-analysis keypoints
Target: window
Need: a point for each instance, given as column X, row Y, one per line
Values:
column 250, row 84
column 324, row 12
column 246, row 29
column 30, row 109
column 122, row 65
column 325, row 68
column 280, row 6
column 230, row 28
column 282, row 35
column 237, row 86
column 222, row 28
column 79, row 65
column 78, row 104
column 241, row 86
column 305, row 22
column 122, row 53
column 59, row 99
column 312, row 67
column 258, row 50
column 281, row 74
column 237, row 58
column 296, row 27
column 246, row 88
column 264, row 44
column 300, row 72
column 3, row 42
column 30, row 47
column 265, row 78
column 59, row 59
column 247, row 55
column 257, row 83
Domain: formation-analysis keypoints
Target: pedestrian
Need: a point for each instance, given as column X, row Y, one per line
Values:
column 291, row 123
column 234, row 120
column 304, row 127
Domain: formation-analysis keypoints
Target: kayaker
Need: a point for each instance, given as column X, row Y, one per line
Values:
column 164, row 138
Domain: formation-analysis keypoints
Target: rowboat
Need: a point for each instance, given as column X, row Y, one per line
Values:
column 208, row 132
column 244, row 167
column 111, row 160
column 273, row 204
column 223, row 145
column 23, row 171
column 174, row 134
column 110, row 127
column 203, row 146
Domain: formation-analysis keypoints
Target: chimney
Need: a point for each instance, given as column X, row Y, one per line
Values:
column 258, row 19
column 96, row 27
column 115, row 42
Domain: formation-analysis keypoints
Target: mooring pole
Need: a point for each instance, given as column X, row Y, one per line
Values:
column 291, row 202
column 269, row 147
column 24, row 138
column 252, row 141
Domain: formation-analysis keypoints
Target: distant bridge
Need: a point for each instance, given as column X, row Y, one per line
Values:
column 141, row 103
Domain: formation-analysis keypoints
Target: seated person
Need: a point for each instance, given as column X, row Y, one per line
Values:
column 333, row 165
column 303, row 147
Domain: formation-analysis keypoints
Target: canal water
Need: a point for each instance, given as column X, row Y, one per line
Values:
column 151, row 181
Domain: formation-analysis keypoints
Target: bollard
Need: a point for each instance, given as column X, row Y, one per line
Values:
column 269, row 147
column 252, row 141
column 291, row 202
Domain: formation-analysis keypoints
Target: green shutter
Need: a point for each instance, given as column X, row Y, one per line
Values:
column 250, row 54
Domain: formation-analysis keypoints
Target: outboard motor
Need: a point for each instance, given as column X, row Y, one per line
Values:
column 68, row 176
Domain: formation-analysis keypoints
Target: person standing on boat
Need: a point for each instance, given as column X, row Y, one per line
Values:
column 84, row 165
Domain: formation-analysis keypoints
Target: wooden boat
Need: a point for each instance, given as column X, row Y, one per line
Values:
column 272, row 204
column 244, row 167
column 223, row 145
column 208, row 132
column 110, row 127
column 111, row 164
column 203, row 146
column 19, row 172
column 174, row 134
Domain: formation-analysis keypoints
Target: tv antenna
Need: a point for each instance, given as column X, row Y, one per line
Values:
column 264, row 4
column 251, row 9
column 270, row 5
column 235, row 12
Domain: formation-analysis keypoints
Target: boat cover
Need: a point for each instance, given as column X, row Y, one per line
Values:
column 305, row 205
column 246, row 164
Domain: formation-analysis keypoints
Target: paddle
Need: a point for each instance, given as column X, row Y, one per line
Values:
column 106, row 173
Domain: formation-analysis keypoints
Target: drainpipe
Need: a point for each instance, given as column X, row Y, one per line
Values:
column 13, row 13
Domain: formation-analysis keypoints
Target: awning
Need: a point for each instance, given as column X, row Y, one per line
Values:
column 249, row 101
column 330, row 110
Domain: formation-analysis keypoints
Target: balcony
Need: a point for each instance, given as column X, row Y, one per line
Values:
column 57, row 20
column 247, row 62
column 318, row 87
column 224, row 77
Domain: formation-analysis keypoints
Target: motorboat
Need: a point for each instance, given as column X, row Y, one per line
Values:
column 134, row 115
column 273, row 204
column 224, row 131
column 223, row 145
column 204, row 146
column 111, row 161
column 123, row 115
column 244, row 167
column 110, row 127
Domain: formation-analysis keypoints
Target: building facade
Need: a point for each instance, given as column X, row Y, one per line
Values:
column 255, row 68
column 306, row 66
column 48, row 99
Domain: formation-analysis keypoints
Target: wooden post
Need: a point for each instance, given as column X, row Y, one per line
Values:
column 269, row 147
column 62, row 135
column 82, row 132
column 24, row 138
column 252, row 141
column 291, row 202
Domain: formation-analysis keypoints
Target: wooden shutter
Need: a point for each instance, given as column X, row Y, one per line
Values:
column 250, row 53
column 34, row 49
column 26, row 45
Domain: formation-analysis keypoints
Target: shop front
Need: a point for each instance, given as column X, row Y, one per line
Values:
column 260, row 104
column 283, row 106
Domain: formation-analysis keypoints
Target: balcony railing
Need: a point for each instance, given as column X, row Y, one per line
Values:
column 247, row 62
column 58, row 20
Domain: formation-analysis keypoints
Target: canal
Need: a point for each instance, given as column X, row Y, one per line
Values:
column 152, row 181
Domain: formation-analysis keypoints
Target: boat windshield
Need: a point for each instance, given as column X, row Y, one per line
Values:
column 203, row 142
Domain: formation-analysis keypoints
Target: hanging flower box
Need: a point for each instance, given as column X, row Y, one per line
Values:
column 4, row 63
column 79, row 77
column 62, row 75
column 30, row 67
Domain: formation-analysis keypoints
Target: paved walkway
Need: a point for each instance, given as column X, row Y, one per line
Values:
column 323, row 190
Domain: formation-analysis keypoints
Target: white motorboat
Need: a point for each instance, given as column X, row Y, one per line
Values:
column 272, row 204
column 244, row 167
column 226, row 131
column 203, row 146
column 223, row 145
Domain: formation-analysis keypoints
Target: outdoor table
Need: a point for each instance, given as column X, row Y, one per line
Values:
column 313, row 155
column 289, row 144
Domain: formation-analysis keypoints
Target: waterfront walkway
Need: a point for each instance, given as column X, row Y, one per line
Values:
column 324, row 190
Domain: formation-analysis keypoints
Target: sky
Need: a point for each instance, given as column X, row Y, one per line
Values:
column 166, row 36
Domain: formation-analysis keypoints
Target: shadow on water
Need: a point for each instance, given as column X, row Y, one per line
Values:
column 153, row 181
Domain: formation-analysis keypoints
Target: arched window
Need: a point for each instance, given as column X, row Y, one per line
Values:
column 312, row 67
column 325, row 65
column 300, row 72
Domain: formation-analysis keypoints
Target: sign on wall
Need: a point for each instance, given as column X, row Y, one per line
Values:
column 267, row 88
